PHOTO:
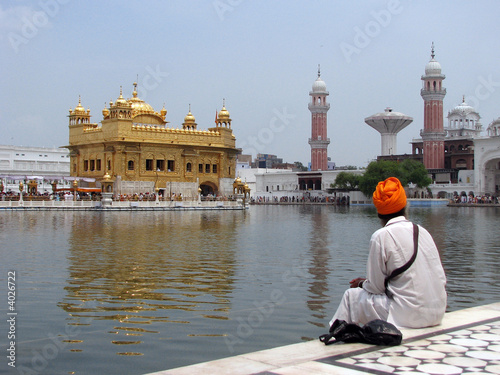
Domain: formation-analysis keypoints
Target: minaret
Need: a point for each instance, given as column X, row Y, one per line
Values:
column 433, row 133
column 319, row 141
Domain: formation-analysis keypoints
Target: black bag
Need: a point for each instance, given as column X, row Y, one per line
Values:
column 375, row 332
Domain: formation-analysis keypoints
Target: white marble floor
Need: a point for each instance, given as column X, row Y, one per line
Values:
column 467, row 342
column 471, row 350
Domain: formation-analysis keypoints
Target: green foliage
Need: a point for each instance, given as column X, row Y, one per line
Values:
column 347, row 181
column 416, row 173
column 407, row 171
column 300, row 166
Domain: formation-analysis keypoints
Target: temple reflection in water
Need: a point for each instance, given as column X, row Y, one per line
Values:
column 137, row 271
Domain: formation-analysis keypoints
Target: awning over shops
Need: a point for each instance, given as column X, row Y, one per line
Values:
column 88, row 190
column 47, row 178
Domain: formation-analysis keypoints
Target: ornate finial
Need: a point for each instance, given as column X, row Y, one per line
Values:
column 432, row 50
column 463, row 99
column 121, row 92
column 224, row 102
column 134, row 93
column 319, row 71
column 79, row 100
column 189, row 107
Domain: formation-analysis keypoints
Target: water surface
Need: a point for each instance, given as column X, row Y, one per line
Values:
column 137, row 292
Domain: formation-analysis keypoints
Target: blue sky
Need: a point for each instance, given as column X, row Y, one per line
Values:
column 261, row 56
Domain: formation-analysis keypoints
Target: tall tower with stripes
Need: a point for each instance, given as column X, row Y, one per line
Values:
column 319, row 140
column 433, row 133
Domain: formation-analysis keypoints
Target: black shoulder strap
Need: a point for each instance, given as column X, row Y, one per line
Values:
column 403, row 268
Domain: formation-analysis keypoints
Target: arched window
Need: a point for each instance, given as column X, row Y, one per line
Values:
column 130, row 165
column 188, row 167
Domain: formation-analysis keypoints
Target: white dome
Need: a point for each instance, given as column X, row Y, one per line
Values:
column 319, row 85
column 433, row 68
column 494, row 128
column 462, row 109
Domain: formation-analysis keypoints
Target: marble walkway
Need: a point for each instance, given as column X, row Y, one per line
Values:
column 467, row 342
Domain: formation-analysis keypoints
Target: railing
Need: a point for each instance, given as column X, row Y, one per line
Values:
column 125, row 205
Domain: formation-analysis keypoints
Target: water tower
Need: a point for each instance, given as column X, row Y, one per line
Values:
column 389, row 124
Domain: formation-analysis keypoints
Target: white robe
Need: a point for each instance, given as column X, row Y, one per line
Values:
column 419, row 295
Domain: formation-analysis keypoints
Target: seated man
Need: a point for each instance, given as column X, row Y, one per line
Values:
column 417, row 297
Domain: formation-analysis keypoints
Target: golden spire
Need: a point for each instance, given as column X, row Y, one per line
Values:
column 163, row 111
column 121, row 100
column 134, row 93
column 223, row 114
column 79, row 108
column 189, row 117
column 105, row 111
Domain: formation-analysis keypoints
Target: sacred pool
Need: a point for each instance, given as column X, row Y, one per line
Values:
column 141, row 291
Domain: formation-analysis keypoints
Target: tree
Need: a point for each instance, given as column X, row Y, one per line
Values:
column 416, row 173
column 347, row 181
column 300, row 166
column 407, row 171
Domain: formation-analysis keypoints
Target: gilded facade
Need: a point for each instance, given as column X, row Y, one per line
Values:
column 142, row 152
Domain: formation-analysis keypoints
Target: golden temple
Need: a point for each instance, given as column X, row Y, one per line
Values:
column 139, row 152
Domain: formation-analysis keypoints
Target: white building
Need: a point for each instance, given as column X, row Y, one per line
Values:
column 275, row 184
column 45, row 165
column 487, row 161
column 463, row 122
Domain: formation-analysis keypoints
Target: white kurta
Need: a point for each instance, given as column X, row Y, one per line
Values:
column 419, row 295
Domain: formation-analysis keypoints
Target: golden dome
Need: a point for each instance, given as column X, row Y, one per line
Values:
column 121, row 100
column 139, row 106
column 105, row 111
column 189, row 117
column 79, row 110
column 223, row 113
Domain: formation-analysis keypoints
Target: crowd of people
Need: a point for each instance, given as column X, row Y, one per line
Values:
column 95, row 196
column 345, row 200
column 471, row 199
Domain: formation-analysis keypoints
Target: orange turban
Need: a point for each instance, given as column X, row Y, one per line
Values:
column 389, row 196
